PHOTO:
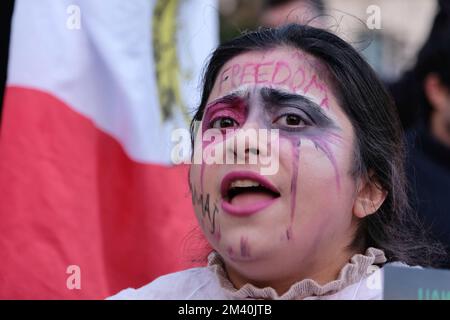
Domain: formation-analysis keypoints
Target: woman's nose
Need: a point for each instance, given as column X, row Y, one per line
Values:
column 247, row 144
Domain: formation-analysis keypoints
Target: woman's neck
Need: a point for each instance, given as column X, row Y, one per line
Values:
column 322, row 271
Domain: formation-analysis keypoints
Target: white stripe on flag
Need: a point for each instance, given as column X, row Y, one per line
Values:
column 105, row 69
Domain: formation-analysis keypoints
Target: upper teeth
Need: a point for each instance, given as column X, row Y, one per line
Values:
column 244, row 183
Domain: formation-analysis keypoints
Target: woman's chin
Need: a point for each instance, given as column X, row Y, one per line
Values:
column 245, row 249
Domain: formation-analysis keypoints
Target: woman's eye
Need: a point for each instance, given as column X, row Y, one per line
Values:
column 224, row 122
column 291, row 120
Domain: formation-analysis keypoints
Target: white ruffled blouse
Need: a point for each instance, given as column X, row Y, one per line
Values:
column 360, row 278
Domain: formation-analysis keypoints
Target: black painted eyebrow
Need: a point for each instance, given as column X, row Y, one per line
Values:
column 275, row 97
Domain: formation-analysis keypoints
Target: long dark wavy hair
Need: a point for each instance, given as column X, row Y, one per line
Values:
column 379, row 146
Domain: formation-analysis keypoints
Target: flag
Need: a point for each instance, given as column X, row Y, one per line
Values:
column 91, row 203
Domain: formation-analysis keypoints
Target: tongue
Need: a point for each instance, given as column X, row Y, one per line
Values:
column 247, row 198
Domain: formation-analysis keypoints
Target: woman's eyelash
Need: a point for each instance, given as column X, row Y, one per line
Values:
column 298, row 110
column 223, row 120
column 293, row 117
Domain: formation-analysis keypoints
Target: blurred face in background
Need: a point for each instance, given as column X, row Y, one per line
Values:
column 438, row 95
column 297, row 11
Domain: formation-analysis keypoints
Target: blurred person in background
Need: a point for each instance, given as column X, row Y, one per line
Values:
column 279, row 12
column 423, row 99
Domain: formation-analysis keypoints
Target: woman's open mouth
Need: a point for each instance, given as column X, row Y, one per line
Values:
column 245, row 193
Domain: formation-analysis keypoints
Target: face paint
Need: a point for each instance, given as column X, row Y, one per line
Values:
column 320, row 128
column 323, row 143
column 275, row 73
column 273, row 105
column 231, row 107
column 266, row 92
column 208, row 212
column 317, row 134
column 245, row 249
column 230, row 251
column 296, row 142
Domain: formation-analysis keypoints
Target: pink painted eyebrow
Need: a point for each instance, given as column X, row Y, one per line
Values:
column 229, row 99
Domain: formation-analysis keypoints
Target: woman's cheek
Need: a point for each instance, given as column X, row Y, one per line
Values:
column 319, row 167
column 311, row 165
column 205, row 201
column 324, row 188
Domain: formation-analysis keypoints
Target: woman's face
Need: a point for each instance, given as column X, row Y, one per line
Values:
column 266, row 224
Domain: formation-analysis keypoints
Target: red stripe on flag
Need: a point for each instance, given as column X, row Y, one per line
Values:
column 71, row 196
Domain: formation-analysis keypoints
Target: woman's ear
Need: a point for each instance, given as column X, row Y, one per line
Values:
column 369, row 197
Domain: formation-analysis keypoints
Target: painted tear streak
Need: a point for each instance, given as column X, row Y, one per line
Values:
column 322, row 144
column 230, row 251
column 245, row 249
column 289, row 233
column 296, row 142
column 217, row 234
column 274, row 73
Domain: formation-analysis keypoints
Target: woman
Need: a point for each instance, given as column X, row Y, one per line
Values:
column 334, row 211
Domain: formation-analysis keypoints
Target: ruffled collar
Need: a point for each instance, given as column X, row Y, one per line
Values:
column 352, row 272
